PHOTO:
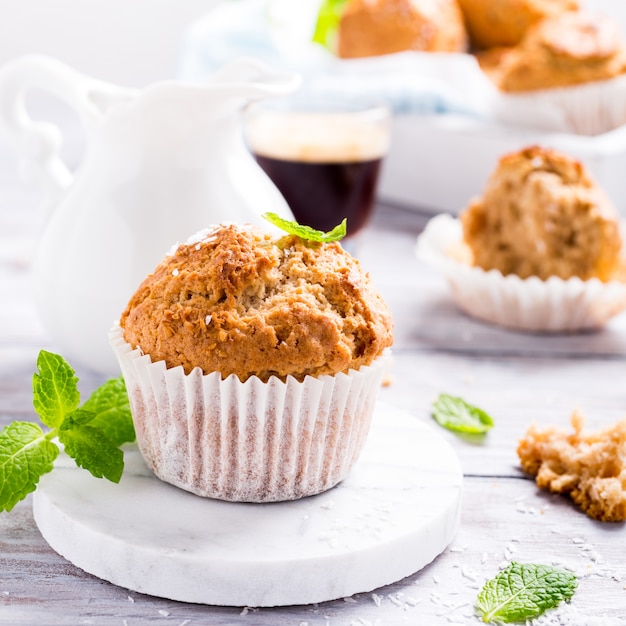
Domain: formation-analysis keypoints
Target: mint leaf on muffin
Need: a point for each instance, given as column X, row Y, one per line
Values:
column 524, row 591
column 90, row 434
column 457, row 415
column 306, row 232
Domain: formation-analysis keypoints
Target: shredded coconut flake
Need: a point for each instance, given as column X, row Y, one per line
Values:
column 469, row 573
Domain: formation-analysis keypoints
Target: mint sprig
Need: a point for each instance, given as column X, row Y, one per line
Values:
column 90, row 434
column 524, row 591
column 306, row 232
column 327, row 24
column 26, row 454
column 457, row 415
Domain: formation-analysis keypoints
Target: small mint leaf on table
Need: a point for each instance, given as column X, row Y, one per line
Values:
column 457, row 415
column 524, row 591
column 90, row 447
column 110, row 405
column 26, row 454
column 306, row 232
column 55, row 389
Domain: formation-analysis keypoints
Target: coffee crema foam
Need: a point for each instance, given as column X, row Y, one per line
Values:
column 317, row 137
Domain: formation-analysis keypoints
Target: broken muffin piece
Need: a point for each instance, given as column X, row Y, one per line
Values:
column 590, row 467
column 541, row 214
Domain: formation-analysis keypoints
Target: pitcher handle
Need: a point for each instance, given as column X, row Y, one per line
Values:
column 39, row 142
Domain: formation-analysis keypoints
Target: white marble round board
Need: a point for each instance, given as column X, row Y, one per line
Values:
column 397, row 511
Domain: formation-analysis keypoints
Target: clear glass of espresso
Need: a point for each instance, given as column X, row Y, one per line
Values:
column 324, row 156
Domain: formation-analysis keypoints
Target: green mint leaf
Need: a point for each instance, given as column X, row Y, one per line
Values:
column 90, row 448
column 25, row 456
column 55, row 391
column 327, row 23
column 524, row 591
column 306, row 232
column 110, row 405
column 457, row 415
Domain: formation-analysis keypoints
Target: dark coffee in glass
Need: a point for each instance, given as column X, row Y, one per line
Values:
column 325, row 164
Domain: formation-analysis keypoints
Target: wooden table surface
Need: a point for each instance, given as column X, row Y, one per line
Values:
column 518, row 378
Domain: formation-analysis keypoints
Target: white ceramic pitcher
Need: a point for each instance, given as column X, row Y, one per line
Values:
column 159, row 165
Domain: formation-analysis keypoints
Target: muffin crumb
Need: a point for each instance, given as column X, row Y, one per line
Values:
column 590, row 467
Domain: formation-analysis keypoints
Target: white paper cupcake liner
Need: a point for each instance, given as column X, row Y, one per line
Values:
column 250, row 441
column 589, row 109
column 532, row 304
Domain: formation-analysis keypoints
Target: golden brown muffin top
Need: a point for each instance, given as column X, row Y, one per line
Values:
column 570, row 49
column 541, row 214
column 496, row 23
column 376, row 27
column 235, row 300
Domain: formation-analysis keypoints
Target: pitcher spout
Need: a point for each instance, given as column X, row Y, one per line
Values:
column 253, row 78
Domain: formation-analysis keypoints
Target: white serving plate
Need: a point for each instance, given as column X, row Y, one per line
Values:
column 398, row 510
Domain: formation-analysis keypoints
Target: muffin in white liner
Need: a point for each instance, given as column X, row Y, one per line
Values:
column 252, row 363
column 589, row 109
column 567, row 74
column 248, row 441
column 528, row 304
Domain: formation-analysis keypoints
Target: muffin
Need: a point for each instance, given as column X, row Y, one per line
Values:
column 567, row 74
column 253, row 363
column 376, row 27
column 590, row 467
column 573, row 48
column 541, row 249
column 542, row 215
column 496, row 23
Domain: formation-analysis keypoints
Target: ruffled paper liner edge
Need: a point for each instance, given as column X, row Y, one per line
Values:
column 589, row 109
column 530, row 304
column 248, row 441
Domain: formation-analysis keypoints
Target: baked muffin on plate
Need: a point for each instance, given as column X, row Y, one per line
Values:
column 541, row 249
column 567, row 74
column 498, row 23
column 253, row 364
column 375, row 27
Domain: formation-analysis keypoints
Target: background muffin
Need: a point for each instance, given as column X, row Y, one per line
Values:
column 540, row 250
column 569, row 49
column 541, row 214
column 495, row 23
column 253, row 364
column 375, row 27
